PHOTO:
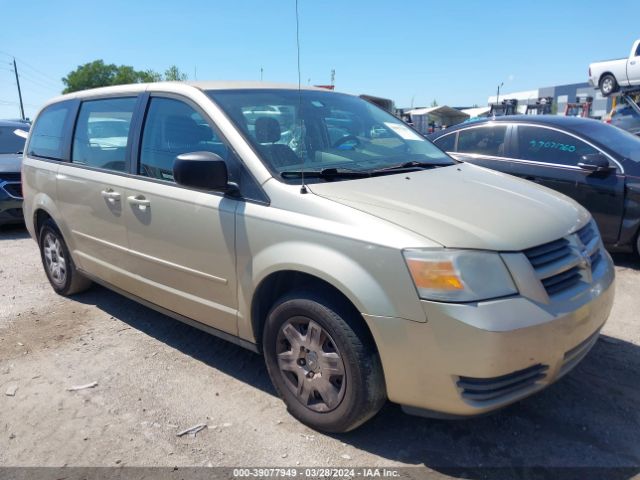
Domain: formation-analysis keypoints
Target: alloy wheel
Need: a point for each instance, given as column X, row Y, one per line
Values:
column 54, row 259
column 310, row 364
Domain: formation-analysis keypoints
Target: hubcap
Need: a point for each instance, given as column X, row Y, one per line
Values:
column 607, row 85
column 310, row 364
column 54, row 259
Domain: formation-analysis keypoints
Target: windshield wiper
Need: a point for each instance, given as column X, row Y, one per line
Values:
column 412, row 165
column 326, row 173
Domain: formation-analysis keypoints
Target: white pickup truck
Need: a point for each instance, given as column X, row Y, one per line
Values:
column 610, row 75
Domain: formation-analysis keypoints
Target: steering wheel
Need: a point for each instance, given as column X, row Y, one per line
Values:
column 345, row 139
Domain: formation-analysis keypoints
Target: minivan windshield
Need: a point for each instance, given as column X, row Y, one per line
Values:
column 620, row 141
column 322, row 132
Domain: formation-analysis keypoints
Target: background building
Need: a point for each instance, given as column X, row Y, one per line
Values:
column 561, row 95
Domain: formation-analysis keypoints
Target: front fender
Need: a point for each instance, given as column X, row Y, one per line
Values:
column 385, row 288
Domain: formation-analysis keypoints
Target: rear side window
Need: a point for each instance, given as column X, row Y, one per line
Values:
column 102, row 132
column 487, row 140
column 550, row 146
column 172, row 128
column 446, row 143
column 47, row 135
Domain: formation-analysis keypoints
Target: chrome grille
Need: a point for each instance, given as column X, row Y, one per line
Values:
column 489, row 389
column 563, row 264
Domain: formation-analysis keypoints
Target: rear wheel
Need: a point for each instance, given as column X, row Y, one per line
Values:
column 57, row 262
column 323, row 363
column 608, row 84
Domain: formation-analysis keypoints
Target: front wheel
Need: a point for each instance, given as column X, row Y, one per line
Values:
column 608, row 84
column 58, row 264
column 323, row 363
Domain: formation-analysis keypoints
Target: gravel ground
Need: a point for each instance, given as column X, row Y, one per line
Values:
column 156, row 377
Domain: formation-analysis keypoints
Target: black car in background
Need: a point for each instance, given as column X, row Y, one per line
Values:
column 594, row 163
column 11, row 146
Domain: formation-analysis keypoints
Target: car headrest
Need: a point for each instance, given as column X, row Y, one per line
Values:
column 183, row 130
column 267, row 130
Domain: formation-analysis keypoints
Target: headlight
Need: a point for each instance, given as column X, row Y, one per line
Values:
column 459, row 275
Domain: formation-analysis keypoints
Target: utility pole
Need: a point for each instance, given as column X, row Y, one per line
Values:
column 333, row 78
column 15, row 70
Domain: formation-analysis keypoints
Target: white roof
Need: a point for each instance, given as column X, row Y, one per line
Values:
column 476, row 111
column 440, row 110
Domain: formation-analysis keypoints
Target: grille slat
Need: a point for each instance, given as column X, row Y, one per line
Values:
column 486, row 389
column 560, row 264
column 586, row 234
column 577, row 353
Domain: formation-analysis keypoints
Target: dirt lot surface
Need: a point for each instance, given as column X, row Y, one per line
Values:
column 156, row 376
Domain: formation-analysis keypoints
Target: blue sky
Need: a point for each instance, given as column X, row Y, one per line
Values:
column 455, row 52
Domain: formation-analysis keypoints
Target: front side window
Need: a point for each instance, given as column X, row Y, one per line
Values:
column 292, row 131
column 172, row 128
column 102, row 132
column 47, row 135
column 550, row 146
column 624, row 144
column 9, row 141
column 487, row 140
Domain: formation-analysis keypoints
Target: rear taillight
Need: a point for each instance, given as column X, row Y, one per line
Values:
column 589, row 71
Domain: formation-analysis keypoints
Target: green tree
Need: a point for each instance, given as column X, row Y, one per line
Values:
column 173, row 74
column 434, row 103
column 99, row 74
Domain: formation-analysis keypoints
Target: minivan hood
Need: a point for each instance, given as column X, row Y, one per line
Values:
column 10, row 162
column 463, row 206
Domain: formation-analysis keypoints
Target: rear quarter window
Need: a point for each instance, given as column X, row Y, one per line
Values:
column 446, row 143
column 48, row 132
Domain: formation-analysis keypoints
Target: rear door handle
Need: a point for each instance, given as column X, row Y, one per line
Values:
column 110, row 195
column 140, row 201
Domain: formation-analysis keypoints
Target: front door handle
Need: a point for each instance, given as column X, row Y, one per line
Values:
column 140, row 201
column 110, row 195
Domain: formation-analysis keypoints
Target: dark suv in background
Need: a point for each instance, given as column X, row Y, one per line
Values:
column 594, row 163
column 11, row 147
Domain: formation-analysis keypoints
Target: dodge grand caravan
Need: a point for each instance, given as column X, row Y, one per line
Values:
column 317, row 229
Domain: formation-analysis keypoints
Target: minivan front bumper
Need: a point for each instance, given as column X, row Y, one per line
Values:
column 452, row 366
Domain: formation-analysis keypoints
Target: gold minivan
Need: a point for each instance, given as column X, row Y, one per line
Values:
column 317, row 229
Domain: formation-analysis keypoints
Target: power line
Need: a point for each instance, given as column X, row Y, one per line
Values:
column 41, row 85
column 34, row 69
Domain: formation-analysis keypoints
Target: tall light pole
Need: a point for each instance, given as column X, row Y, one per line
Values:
column 498, row 94
column 15, row 70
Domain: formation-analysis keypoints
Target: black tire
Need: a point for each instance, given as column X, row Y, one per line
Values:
column 608, row 85
column 57, row 262
column 360, row 389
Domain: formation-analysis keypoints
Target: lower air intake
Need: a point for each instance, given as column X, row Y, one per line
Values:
column 493, row 388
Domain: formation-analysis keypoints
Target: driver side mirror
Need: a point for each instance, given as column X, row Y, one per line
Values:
column 594, row 162
column 204, row 171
